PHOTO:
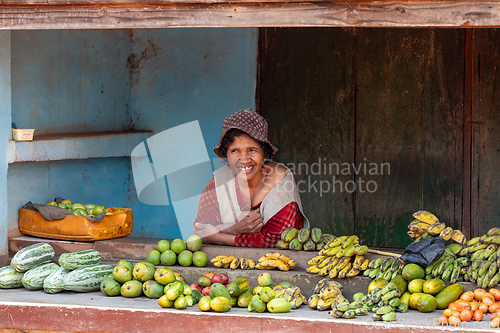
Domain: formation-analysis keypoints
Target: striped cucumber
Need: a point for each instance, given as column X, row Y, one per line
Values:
column 31, row 256
column 33, row 279
column 53, row 283
column 10, row 278
column 86, row 279
column 85, row 258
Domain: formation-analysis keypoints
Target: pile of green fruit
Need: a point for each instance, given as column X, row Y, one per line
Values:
column 279, row 299
column 79, row 209
column 144, row 278
column 184, row 253
column 304, row 239
column 382, row 301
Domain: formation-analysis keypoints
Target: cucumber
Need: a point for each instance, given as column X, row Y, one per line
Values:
column 53, row 283
column 10, row 278
column 86, row 279
column 74, row 260
column 31, row 256
column 33, row 279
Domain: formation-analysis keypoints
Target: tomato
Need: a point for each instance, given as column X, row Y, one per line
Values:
column 496, row 293
column 478, row 293
column 467, row 296
column 466, row 315
column 493, row 316
column 454, row 321
column 478, row 315
column 495, row 322
column 453, row 306
column 447, row 313
column 443, row 320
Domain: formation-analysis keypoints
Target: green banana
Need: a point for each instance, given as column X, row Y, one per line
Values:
column 362, row 311
column 455, row 274
column 438, row 270
column 445, row 276
column 376, row 263
column 349, row 314
column 429, row 268
column 391, row 316
column 492, row 270
column 390, row 295
column 485, row 265
column 387, row 263
column 384, row 310
column 494, row 280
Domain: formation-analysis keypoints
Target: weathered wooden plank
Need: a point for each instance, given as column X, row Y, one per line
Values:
column 244, row 14
column 310, row 109
column 408, row 103
column 486, row 131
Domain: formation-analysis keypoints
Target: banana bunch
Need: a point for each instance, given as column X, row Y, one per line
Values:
column 385, row 268
column 276, row 260
column 483, row 253
column 342, row 257
column 427, row 225
column 326, row 294
column 229, row 261
column 291, row 294
column 304, row 239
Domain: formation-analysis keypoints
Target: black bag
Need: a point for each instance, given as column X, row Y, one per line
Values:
column 424, row 252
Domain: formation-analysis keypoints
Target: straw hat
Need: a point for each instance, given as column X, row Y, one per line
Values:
column 248, row 121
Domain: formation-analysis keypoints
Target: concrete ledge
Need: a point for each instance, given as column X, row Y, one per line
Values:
column 22, row 309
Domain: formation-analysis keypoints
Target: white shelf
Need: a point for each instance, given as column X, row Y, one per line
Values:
column 75, row 146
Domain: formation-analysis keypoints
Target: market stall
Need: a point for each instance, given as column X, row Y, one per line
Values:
column 452, row 70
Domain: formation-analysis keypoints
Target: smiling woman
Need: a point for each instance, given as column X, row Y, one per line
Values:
column 251, row 200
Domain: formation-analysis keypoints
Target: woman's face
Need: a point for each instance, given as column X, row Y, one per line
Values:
column 246, row 156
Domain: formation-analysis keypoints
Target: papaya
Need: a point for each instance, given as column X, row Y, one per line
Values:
column 234, row 301
column 377, row 283
column 448, row 295
column 414, row 298
column 238, row 286
column 405, row 298
column 279, row 305
column 220, row 304
column 416, row 286
column 218, row 290
column 244, row 300
column 196, row 296
column 426, row 303
column 174, row 290
column 433, row 286
column 204, row 303
column 400, row 283
column 413, row 271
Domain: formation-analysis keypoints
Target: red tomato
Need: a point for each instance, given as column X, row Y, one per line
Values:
column 478, row 315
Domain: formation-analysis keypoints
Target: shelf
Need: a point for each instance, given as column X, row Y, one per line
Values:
column 75, row 146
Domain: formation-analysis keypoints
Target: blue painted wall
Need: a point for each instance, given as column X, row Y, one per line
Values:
column 151, row 79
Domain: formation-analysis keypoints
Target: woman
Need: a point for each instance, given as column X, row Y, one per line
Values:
column 251, row 200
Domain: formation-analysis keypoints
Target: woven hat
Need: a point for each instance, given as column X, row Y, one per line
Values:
column 248, row 121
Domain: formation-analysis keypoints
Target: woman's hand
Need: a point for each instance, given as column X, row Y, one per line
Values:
column 206, row 230
column 250, row 223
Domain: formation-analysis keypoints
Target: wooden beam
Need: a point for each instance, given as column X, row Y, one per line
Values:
column 249, row 14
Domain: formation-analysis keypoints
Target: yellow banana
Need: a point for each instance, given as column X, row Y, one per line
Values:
column 235, row 263
column 413, row 234
column 218, row 264
column 418, row 226
column 329, row 292
column 243, row 263
column 351, row 240
column 343, row 271
column 217, row 258
column 272, row 256
column 426, row 217
column 324, row 262
column 283, row 267
column 336, row 242
column 251, row 264
column 324, row 271
column 291, row 264
column 446, row 233
column 324, row 304
column 313, row 270
column 352, row 272
column 329, row 251
column 284, row 258
column 291, row 292
column 316, row 260
column 458, row 237
column 358, row 260
column 364, row 265
column 436, row 228
column 313, row 301
column 228, row 260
